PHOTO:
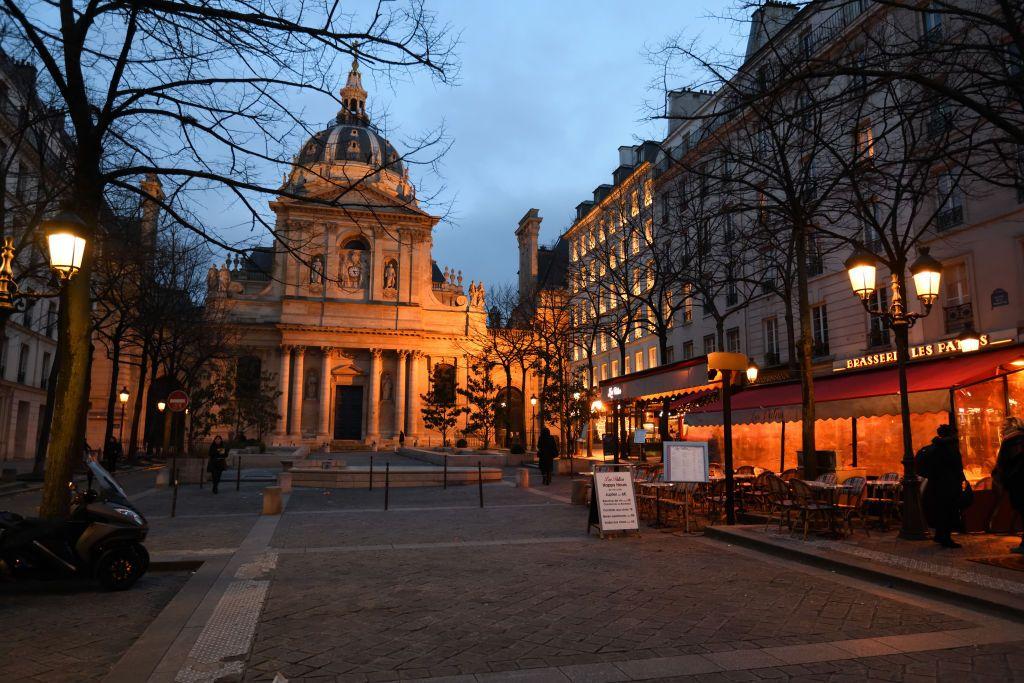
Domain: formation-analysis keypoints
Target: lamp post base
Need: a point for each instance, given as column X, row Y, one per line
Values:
column 913, row 526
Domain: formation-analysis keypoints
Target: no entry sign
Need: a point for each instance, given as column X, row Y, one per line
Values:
column 177, row 401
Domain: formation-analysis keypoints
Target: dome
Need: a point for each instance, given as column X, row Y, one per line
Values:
column 351, row 141
column 352, row 137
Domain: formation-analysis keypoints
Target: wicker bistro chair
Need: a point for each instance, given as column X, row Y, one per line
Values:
column 777, row 501
column 827, row 478
column 883, row 497
column 745, row 470
column 715, row 470
column 808, row 506
column 714, row 501
column 851, row 503
column 758, row 492
column 789, row 474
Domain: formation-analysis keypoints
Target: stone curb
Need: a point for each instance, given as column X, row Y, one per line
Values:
column 974, row 597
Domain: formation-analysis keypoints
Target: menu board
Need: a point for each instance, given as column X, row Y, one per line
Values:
column 616, row 505
column 686, row 461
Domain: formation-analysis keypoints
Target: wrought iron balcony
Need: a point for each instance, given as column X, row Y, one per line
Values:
column 958, row 316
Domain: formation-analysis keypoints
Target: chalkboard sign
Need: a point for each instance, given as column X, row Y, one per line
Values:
column 612, row 502
column 686, row 461
column 1000, row 298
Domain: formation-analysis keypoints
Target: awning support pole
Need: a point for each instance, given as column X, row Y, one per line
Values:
column 782, row 448
column 854, row 440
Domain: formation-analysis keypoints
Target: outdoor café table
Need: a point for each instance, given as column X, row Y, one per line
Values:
column 884, row 494
column 657, row 486
column 828, row 493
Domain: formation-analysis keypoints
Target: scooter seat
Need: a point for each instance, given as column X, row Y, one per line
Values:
column 9, row 520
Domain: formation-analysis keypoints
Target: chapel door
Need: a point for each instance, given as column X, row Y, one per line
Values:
column 348, row 413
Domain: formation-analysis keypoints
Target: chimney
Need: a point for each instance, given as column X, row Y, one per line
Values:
column 527, row 234
column 150, row 208
column 683, row 104
column 767, row 20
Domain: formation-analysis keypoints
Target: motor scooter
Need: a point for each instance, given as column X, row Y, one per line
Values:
column 101, row 539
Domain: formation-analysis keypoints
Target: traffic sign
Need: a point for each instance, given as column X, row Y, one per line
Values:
column 177, row 401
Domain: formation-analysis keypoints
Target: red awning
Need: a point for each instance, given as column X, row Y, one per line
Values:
column 862, row 393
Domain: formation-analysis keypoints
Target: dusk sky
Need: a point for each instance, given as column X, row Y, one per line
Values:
column 546, row 93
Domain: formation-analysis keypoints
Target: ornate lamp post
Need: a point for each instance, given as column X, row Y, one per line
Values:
column 66, row 246
column 577, row 409
column 532, row 422
column 596, row 407
column 613, row 395
column 926, row 273
column 123, row 398
column 722, row 364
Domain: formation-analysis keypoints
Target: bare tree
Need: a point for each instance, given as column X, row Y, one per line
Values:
column 201, row 95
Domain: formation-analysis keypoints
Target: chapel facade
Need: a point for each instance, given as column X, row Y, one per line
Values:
column 347, row 309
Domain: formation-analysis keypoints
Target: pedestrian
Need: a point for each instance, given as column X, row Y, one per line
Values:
column 944, row 495
column 547, row 451
column 401, row 438
column 217, row 462
column 1009, row 470
column 111, row 453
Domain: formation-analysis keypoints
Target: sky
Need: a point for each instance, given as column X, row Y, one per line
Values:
column 547, row 91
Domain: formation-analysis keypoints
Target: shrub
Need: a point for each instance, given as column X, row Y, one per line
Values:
column 461, row 443
column 517, row 449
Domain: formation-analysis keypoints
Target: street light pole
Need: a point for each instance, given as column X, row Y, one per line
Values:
column 533, row 422
column 926, row 272
column 123, row 398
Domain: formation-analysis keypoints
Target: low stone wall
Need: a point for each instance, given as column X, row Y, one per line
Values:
column 462, row 458
column 398, row 477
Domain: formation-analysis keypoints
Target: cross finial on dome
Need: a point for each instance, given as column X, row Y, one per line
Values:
column 353, row 96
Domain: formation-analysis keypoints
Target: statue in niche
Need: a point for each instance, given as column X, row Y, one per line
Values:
column 391, row 275
column 316, row 271
column 312, row 390
column 386, row 387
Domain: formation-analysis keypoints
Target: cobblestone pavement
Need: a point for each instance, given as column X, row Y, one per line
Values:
column 73, row 631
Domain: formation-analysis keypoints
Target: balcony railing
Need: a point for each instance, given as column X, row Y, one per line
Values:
column 958, row 316
column 771, row 358
column 878, row 337
column 821, row 349
column 949, row 218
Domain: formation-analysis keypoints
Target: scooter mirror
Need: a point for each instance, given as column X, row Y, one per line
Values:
column 72, row 487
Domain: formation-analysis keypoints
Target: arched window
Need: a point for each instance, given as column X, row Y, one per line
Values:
column 357, row 243
column 444, row 382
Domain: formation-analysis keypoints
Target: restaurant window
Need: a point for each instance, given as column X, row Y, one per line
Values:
column 732, row 340
column 878, row 333
column 652, row 357
column 950, row 200
column 958, row 310
column 819, row 329
column 687, row 350
column 638, row 362
column 615, row 368
column 771, row 341
column 709, row 344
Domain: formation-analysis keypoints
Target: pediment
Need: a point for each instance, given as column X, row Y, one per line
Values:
column 344, row 365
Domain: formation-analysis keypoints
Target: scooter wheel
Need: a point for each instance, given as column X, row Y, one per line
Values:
column 119, row 568
column 143, row 554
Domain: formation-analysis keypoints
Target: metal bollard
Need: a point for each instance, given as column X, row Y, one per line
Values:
column 371, row 473
column 387, row 483
column 201, row 470
column 480, row 480
column 446, row 471
column 174, row 494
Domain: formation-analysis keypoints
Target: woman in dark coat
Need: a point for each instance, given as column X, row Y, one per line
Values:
column 941, row 463
column 547, row 451
column 217, row 462
column 1009, row 471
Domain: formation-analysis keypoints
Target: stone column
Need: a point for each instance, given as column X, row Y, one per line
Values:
column 326, row 388
column 373, row 397
column 413, row 398
column 282, row 384
column 296, row 422
column 399, row 393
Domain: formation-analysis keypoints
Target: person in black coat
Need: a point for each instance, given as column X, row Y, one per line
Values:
column 941, row 463
column 111, row 453
column 1009, row 470
column 547, row 451
column 217, row 461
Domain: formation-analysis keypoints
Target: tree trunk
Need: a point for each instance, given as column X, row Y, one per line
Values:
column 791, row 352
column 806, row 346
column 112, row 393
column 71, row 400
column 140, row 390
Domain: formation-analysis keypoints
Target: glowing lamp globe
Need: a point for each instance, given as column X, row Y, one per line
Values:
column 968, row 340
column 862, row 269
column 66, row 244
column 926, row 272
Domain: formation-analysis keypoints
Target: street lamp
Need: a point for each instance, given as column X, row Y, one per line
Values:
column 533, row 422
column 968, row 339
column 66, row 246
column 926, row 273
column 724, row 364
column 613, row 395
column 161, row 406
column 752, row 371
column 123, row 398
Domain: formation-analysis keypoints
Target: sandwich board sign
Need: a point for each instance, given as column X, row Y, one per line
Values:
column 686, row 461
column 612, row 501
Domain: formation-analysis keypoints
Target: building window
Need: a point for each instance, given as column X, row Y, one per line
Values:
column 652, row 357
column 878, row 333
column 815, row 259
column 628, row 368
column 870, row 235
column 687, row 350
column 247, row 376
column 709, row 344
column 958, row 310
column 951, row 201
column 687, row 303
column 865, row 139
column 771, row 341
column 615, row 368
column 939, row 119
column 639, row 361
column 604, row 371
column 932, row 24
column 819, row 330
column 51, row 319
column 732, row 340
column 23, row 363
column 45, row 379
